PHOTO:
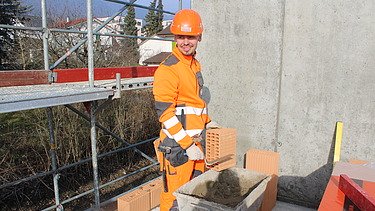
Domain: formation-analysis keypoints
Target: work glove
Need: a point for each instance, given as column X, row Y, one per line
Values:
column 194, row 152
column 212, row 125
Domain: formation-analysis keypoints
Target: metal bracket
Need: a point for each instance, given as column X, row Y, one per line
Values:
column 118, row 87
column 52, row 77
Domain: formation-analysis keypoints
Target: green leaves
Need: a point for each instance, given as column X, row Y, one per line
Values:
column 154, row 20
column 10, row 11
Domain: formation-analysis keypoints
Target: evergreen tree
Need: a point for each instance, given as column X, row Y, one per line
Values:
column 130, row 28
column 150, row 19
column 10, row 11
column 159, row 17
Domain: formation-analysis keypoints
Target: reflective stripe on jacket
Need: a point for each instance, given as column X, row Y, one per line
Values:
column 181, row 110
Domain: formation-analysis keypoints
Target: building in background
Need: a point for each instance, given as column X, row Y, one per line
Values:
column 153, row 52
column 116, row 26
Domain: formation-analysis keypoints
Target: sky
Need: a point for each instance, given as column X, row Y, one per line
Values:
column 101, row 8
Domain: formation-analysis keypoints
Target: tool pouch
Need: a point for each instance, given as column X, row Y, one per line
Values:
column 177, row 155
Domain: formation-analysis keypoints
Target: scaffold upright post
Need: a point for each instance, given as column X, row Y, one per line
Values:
column 52, row 151
column 90, row 44
column 55, row 176
column 94, row 153
column 45, row 34
column 180, row 5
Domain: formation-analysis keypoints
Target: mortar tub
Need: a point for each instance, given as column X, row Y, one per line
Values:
column 232, row 189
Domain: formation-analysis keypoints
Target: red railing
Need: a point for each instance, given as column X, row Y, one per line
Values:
column 35, row 77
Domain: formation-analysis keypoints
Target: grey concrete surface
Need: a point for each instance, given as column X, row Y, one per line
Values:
column 240, row 55
column 283, row 73
column 282, row 206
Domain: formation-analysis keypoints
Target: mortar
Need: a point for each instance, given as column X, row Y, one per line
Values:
column 231, row 189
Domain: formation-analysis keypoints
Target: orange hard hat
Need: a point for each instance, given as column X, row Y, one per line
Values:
column 187, row 22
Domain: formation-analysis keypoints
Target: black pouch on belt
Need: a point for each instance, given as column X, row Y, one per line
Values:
column 177, row 155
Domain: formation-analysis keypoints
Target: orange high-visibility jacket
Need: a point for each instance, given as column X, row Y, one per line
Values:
column 181, row 110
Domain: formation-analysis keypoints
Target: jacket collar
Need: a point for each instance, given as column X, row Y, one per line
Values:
column 183, row 58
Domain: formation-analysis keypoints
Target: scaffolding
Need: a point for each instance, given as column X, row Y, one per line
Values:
column 48, row 95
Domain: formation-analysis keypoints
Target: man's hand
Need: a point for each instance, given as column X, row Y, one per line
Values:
column 194, row 152
column 212, row 125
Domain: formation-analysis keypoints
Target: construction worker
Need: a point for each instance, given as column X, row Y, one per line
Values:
column 177, row 91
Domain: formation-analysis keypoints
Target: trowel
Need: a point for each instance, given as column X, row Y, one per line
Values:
column 219, row 160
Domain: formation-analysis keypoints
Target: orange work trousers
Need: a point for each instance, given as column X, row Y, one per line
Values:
column 176, row 177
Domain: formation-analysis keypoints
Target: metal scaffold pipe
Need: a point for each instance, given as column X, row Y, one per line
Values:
column 140, row 6
column 90, row 44
column 81, row 32
column 90, row 49
column 94, row 153
column 52, row 143
column 45, row 35
column 55, row 176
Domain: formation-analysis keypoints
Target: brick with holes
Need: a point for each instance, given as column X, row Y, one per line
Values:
column 154, row 189
column 135, row 200
column 221, row 148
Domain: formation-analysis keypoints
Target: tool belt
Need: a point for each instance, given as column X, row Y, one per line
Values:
column 176, row 155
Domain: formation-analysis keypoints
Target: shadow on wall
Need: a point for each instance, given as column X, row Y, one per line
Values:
column 307, row 191
column 206, row 94
column 304, row 191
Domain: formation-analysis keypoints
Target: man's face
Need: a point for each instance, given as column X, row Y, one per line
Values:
column 187, row 44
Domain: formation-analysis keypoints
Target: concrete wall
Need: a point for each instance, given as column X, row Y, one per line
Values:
column 283, row 72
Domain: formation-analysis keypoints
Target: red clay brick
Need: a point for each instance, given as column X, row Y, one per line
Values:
column 266, row 162
column 136, row 200
column 219, row 143
column 154, row 189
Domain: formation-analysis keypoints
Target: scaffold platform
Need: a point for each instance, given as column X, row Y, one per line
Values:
column 18, row 98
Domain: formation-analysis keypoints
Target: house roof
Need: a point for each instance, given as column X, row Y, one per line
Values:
column 166, row 32
column 157, row 59
column 76, row 22
column 64, row 24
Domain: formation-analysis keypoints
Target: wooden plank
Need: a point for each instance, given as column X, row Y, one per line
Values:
column 36, row 77
column 81, row 74
column 23, row 77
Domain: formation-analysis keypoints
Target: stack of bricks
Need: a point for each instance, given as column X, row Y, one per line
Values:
column 144, row 198
column 221, row 143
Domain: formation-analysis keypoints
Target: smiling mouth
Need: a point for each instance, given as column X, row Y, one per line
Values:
column 186, row 48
